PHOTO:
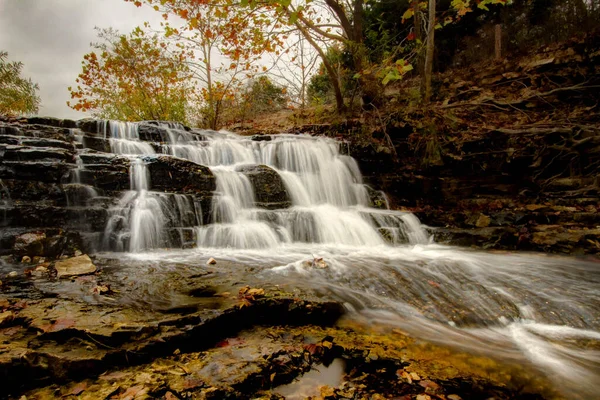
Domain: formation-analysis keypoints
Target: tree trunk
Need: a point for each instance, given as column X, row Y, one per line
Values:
column 420, row 55
column 498, row 41
column 333, row 76
column 429, row 52
column 370, row 86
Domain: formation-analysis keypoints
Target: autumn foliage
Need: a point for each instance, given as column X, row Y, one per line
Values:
column 133, row 77
column 18, row 95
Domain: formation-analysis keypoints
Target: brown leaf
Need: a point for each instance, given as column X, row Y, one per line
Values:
column 60, row 324
column 133, row 392
column 113, row 376
column 77, row 389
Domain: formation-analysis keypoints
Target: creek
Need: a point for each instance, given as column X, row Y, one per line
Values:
column 296, row 209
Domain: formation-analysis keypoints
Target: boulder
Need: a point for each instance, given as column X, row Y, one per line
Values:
column 172, row 174
column 151, row 132
column 74, row 266
column 31, row 244
column 96, row 143
column 90, row 125
column 270, row 192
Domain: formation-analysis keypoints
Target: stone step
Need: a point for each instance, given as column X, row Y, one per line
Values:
column 42, row 171
column 30, row 153
column 40, row 215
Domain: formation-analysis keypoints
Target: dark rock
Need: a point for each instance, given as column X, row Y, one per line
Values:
column 36, row 214
column 47, row 242
column 172, row 174
column 10, row 139
column 50, row 121
column 96, row 143
column 28, row 190
column 262, row 138
column 106, row 177
column 35, row 142
column 31, row 244
column 42, row 171
column 150, row 131
column 94, row 126
column 269, row 190
column 25, row 153
column 489, row 237
column 377, row 198
column 103, row 159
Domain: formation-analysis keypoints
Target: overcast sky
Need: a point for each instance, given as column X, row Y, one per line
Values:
column 51, row 36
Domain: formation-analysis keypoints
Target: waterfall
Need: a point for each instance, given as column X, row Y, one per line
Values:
column 327, row 200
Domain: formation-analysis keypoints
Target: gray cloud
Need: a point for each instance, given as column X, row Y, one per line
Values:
column 51, row 36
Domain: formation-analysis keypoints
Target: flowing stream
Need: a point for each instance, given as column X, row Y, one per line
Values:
column 534, row 309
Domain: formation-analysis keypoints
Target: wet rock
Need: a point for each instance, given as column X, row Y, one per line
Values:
column 172, row 174
column 10, row 139
column 46, row 242
column 377, row 198
column 269, row 190
column 27, row 190
column 262, row 138
column 75, row 266
column 41, row 142
column 26, row 259
column 151, row 132
column 43, row 171
column 12, row 274
column 31, row 243
column 50, row 121
column 106, row 177
column 96, row 143
column 211, row 261
column 26, row 153
column 91, row 125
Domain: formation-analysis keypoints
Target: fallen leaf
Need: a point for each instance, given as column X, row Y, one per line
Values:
column 77, row 389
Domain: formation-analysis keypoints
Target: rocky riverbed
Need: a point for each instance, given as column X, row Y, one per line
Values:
column 219, row 331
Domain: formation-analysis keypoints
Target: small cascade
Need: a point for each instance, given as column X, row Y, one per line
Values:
column 124, row 138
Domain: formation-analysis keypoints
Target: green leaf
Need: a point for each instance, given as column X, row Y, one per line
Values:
column 293, row 17
column 408, row 14
column 393, row 75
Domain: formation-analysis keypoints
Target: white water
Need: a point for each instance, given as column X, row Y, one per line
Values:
column 330, row 204
column 531, row 309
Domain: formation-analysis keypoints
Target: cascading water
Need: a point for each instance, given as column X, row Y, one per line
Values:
column 532, row 309
column 329, row 203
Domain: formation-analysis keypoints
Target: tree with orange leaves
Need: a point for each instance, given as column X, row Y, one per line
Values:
column 134, row 77
column 223, row 44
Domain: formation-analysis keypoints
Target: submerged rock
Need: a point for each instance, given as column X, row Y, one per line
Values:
column 75, row 266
